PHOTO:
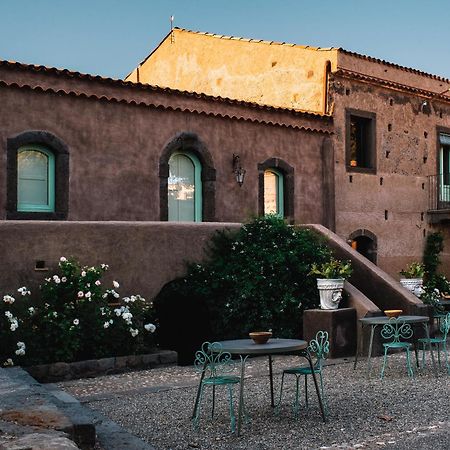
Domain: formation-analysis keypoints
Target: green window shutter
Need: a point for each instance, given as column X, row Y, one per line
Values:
column 184, row 188
column 35, row 179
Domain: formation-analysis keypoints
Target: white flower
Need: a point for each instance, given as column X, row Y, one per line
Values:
column 104, row 266
column 98, row 283
column 63, row 279
column 21, row 344
column 20, row 352
column 80, row 294
column 111, row 321
column 150, row 327
column 24, row 291
column 8, row 314
column 62, row 259
column 88, row 294
column 134, row 332
column 14, row 325
column 76, row 321
column 116, row 295
column 31, row 310
column 9, row 299
column 8, row 362
column 116, row 284
column 118, row 312
column 126, row 299
column 83, row 273
column 56, row 279
column 106, row 325
column 55, row 314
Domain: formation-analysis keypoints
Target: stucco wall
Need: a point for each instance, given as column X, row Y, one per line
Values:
column 267, row 73
column 115, row 150
column 142, row 256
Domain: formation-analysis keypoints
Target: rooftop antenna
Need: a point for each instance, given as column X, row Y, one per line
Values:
column 172, row 37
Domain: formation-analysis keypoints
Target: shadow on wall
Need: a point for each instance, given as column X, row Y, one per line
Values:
column 183, row 321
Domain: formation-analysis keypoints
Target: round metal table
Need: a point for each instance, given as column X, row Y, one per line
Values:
column 246, row 347
column 373, row 322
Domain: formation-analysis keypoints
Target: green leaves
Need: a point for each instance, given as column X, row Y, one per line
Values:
column 332, row 269
column 256, row 278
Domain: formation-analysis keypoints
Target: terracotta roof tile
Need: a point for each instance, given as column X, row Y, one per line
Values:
column 129, row 84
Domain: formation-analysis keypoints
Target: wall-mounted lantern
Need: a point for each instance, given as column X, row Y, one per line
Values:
column 238, row 171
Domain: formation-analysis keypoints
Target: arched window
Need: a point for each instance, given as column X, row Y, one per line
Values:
column 273, row 192
column 184, row 187
column 35, row 179
column 38, row 177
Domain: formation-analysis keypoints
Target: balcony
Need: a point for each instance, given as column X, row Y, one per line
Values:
column 439, row 198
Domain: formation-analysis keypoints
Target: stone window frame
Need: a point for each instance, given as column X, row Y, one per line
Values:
column 61, row 154
column 289, row 186
column 350, row 112
column 188, row 142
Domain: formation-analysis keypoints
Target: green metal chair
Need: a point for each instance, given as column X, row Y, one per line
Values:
column 318, row 348
column 397, row 329
column 438, row 342
column 214, row 364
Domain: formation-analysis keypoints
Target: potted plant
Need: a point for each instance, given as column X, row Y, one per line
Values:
column 412, row 278
column 330, row 282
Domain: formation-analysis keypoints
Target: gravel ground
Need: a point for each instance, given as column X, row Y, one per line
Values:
column 396, row 413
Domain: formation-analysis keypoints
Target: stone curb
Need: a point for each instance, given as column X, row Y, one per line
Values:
column 61, row 371
column 20, row 393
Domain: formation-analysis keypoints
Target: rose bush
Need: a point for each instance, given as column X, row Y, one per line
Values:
column 73, row 317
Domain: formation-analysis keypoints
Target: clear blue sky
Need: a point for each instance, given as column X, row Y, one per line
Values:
column 110, row 37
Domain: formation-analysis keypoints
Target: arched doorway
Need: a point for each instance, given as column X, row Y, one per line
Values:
column 364, row 242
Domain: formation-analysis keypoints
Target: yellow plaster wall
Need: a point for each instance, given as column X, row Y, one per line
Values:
column 283, row 75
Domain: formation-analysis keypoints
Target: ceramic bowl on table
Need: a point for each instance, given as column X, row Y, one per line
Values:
column 260, row 337
column 393, row 312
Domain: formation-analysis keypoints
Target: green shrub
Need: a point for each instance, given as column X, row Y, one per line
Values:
column 256, row 278
column 71, row 318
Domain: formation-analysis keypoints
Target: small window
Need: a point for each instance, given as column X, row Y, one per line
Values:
column 184, row 188
column 35, row 179
column 273, row 192
column 361, row 141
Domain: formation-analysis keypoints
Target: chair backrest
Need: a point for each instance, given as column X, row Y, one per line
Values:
column 319, row 347
column 445, row 326
column 211, row 359
column 396, row 329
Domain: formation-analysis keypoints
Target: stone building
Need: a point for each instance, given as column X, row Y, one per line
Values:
column 80, row 152
column 389, row 154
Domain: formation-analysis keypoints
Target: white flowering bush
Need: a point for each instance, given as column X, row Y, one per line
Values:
column 73, row 316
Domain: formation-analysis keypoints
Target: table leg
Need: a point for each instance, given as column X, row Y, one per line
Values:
column 427, row 333
column 369, row 354
column 359, row 343
column 271, row 382
column 306, row 355
column 241, row 393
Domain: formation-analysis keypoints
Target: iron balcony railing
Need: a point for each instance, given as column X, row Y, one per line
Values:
column 439, row 191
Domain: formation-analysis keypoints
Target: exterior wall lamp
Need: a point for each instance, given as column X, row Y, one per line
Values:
column 238, row 171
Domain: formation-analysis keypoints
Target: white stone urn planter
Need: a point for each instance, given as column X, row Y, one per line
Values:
column 330, row 292
column 414, row 285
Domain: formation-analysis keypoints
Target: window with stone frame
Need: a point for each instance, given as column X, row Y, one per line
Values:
column 360, row 141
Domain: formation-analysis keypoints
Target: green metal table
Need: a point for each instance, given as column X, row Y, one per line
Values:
column 246, row 347
column 374, row 322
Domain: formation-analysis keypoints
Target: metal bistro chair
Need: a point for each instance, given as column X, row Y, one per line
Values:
column 318, row 348
column 397, row 329
column 213, row 363
column 439, row 342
